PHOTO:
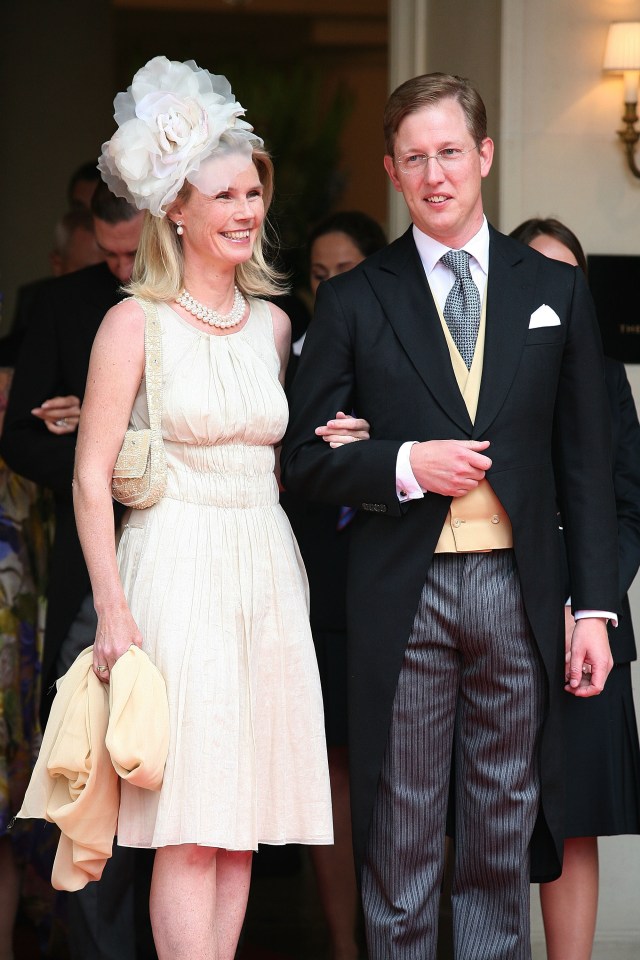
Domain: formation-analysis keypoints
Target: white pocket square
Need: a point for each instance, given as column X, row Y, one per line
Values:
column 544, row 316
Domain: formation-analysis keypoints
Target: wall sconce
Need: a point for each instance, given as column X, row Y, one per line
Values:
column 622, row 55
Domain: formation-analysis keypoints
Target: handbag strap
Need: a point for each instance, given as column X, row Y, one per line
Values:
column 152, row 362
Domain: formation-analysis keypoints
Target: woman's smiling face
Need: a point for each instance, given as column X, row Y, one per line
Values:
column 222, row 224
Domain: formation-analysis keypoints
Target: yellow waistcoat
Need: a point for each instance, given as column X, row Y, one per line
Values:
column 478, row 521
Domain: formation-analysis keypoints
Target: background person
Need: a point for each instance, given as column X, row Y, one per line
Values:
column 602, row 754
column 26, row 529
column 106, row 920
column 340, row 242
column 82, row 185
column 39, row 435
column 26, row 852
column 208, row 580
column 74, row 247
column 455, row 608
column 75, row 244
column 336, row 244
column 74, row 233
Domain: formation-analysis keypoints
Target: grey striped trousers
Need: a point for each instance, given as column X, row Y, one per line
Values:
column 471, row 686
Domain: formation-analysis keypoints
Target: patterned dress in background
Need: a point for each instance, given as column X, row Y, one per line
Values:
column 25, row 529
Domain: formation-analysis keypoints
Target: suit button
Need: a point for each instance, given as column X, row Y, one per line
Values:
column 495, row 518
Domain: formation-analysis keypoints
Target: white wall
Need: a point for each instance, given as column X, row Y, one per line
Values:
column 561, row 157
column 560, row 152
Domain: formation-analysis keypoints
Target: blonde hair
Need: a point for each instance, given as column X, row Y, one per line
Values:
column 158, row 272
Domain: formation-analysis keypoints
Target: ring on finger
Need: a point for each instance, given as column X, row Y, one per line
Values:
column 62, row 422
column 102, row 667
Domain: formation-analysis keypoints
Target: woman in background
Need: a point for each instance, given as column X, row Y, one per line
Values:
column 601, row 733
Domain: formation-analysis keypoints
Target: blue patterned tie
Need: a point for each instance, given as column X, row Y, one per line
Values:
column 462, row 308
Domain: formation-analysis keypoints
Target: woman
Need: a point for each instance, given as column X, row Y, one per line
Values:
column 340, row 242
column 208, row 580
column 335, row 245
column 601, row 733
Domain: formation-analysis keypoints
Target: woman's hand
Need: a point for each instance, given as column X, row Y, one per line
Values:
column 116, row 632
column 344, row 429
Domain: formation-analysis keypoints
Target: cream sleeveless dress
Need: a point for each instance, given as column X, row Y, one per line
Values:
column 215, row 582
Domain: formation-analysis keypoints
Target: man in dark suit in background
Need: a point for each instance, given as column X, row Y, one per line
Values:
column 38, row 441
column 481, row 377
column 74, row 248
column 39, row 435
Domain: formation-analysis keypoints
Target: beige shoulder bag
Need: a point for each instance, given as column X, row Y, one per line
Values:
column 140, row 471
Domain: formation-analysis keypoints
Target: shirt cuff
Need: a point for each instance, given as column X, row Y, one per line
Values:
column 407, row 487
column 611, row 618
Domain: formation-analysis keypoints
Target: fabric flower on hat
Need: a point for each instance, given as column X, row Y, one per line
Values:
column 171, row 119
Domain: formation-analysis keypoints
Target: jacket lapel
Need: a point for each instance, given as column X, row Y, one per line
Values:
column 401, row 287
column 510, row 294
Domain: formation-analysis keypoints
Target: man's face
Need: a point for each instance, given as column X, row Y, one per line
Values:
column 446, row 203
column 119, row 243
column 80, row 251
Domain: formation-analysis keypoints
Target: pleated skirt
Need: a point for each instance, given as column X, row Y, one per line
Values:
column 602, row 758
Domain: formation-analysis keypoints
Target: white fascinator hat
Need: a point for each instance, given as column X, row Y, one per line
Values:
column 171, row 120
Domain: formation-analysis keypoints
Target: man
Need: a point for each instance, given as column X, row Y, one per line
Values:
column 82, row 185
column 75, row 244
column 39, row 433
column 38, row 441
column 74, row 248
column 481, row 376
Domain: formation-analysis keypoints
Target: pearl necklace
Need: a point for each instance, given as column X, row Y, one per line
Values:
column 212, row 317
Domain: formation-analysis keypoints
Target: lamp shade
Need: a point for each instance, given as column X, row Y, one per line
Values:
column 623, row 47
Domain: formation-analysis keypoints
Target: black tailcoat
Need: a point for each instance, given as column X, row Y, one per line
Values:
column 376, row 346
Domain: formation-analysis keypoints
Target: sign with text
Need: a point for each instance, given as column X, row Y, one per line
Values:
column 615, row 284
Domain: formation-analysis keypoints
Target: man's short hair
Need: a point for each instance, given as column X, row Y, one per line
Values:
column 106, row 206
column 428, row 90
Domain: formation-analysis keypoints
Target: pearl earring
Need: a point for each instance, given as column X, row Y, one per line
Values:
column 179, row 228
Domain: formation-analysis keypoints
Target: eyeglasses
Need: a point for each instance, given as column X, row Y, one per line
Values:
column 415, row 163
